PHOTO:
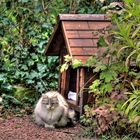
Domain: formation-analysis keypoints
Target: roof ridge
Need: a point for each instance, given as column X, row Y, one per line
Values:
column 89, row 17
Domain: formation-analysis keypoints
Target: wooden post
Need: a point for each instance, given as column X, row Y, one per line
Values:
column 63, row 80
column 77, row 86
column 66, row 86
column 82, row 73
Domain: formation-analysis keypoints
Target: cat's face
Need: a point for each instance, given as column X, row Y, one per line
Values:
column 49, row 103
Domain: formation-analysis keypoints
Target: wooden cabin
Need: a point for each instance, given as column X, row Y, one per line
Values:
column 77, row 35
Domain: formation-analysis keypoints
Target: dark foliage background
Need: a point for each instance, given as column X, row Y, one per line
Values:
column 25, row 27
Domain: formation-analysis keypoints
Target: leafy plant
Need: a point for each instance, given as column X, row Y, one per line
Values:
column 9, row 101
column 128, row 33
column 24, row 34
column 116, row 104
column 5, row 86
column 25, row 27
column 132, row 105
column 68, row 61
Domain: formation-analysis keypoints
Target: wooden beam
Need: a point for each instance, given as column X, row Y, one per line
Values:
column 82, row 74
column 55, row 32
column 89, row 17
column 77, row 86
column 66, row 39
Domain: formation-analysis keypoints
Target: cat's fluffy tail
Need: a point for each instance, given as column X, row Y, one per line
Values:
column 71, row 116
column 71, row 113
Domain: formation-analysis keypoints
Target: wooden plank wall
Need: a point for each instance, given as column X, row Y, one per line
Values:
column 82, row 37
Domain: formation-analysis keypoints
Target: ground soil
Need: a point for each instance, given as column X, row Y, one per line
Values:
column 24, row 128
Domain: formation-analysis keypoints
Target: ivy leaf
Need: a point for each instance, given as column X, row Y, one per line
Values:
column 24, row 67
column 41, row 67
column 39, row 87
column 76, row 63
column 106, row 75
column 34, row 57
column 7, row 87
column 2, row 78
column 30, row 62
column 33, row 74
column 30, row 82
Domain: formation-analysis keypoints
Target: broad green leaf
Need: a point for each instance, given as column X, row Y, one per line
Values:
column 106, row 75
column 33, row 74
column 91, row 61
column 101, row 42
column 30, row 82
column 94, row 86
column 99, row 67
column 41, row 67
column 2, row 78
column 7, row 87
column 30, row 62
column 106, row 88
column 24, row 67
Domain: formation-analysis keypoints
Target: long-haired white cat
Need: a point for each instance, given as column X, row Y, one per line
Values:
column 53, row 111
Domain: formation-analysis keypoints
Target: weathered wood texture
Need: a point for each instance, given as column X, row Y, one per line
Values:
column 86, row 25
column 79, row 33
column 84, row 17
column 82, row 37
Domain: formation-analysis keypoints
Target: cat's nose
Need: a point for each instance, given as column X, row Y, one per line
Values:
column 49, row 107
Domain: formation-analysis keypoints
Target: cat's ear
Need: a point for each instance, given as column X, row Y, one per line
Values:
column 55, row 97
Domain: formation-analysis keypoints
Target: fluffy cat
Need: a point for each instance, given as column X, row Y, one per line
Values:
column 53, row 111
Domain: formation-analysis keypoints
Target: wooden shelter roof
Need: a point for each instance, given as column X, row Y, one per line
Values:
column 79, row 33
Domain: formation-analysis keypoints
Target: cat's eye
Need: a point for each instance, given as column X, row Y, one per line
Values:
column 53, row 103
column 45, row 103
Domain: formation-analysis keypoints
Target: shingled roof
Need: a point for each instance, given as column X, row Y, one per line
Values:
column 79, row 33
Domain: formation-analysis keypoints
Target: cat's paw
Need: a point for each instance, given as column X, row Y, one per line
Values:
column 49, row 126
